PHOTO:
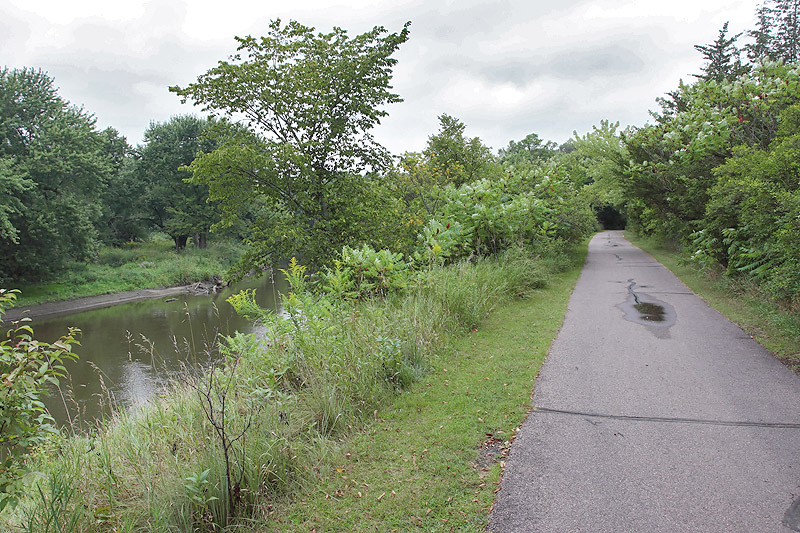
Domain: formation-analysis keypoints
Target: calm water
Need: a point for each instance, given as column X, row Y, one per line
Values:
column 128, row 351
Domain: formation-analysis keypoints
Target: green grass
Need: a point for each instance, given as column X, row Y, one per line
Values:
column 134, row 266
column 431, row 461
column 777, row 329
column 404, row 385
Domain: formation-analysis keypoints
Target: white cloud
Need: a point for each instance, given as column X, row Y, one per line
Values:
column 505, row 67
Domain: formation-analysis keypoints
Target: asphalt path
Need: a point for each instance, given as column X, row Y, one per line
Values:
column 653, row 412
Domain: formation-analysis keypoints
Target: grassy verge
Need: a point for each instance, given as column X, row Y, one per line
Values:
column 265, row 434
column 432, row 460
column 778, row 330
column 135, row 266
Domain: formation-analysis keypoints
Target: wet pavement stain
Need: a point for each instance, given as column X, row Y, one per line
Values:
column 792, row 517
column 641, row 308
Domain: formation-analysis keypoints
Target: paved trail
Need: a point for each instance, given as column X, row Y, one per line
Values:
column 674, row 420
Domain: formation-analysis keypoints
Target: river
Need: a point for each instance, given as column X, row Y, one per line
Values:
column 131, row 352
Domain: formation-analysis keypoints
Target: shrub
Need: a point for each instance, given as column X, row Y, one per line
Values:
column 27, row 368
column 365, row 273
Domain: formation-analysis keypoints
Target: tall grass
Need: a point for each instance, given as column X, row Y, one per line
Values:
column 318, row 376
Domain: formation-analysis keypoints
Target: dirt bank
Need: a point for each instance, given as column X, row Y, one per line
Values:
column 107, row 300
column 92, row 302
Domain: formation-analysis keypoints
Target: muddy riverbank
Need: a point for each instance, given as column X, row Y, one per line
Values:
column 92, row 302
column 87, row 303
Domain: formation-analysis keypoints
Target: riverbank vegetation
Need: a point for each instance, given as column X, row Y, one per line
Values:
column 432, row 459
column 134, row 265
column 226, row 446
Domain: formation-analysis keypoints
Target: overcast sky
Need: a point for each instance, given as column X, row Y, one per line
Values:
column 505, row 68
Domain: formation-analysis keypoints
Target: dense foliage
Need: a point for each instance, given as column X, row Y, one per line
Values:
column 309, row 102
column 715, row 171
column 66, row 188
column 179, row 209
column 54, row 166
column 27, row 368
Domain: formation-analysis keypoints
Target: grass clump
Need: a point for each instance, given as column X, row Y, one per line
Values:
column 775, row 327
column 282, row 409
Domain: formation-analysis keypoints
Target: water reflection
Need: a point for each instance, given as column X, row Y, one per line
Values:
column 130, row 352
column 650, row 312
column 644, row 309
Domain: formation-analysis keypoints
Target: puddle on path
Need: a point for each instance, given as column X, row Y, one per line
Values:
column 650, row 312
column 641, row 308
column 791, row 518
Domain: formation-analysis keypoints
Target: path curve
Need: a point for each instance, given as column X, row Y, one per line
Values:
column 649, row 419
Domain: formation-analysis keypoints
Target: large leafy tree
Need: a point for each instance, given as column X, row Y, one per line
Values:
column 456, row 158
column 178, row 208
column 54, row 166
column 309, row 101
column 669, row 180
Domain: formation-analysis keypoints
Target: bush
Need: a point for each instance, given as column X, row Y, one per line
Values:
column 752, row 221
column 365, row 273
column 27, row 368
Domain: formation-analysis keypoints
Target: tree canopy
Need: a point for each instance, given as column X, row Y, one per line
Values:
column 54, row 166
column 309, row 101
column 722, row 57
column 177, row 208
column 527, row 150
column 455, row 158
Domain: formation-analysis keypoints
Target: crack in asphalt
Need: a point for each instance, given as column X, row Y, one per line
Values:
column 733, row 423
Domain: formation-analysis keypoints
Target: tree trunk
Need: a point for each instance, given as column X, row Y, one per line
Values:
column 180, row 241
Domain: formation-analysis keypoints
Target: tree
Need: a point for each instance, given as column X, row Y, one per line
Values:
column 123, row 218
column 454, row 157
column 309, row 102
column 600, row 163
column 54, row 166
column 529, row 149
column 178, row 208
column 787, row 30
column 759, row 49
column 752, row 221
column 722, row 57
column 12, row 184
column 777, row 33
